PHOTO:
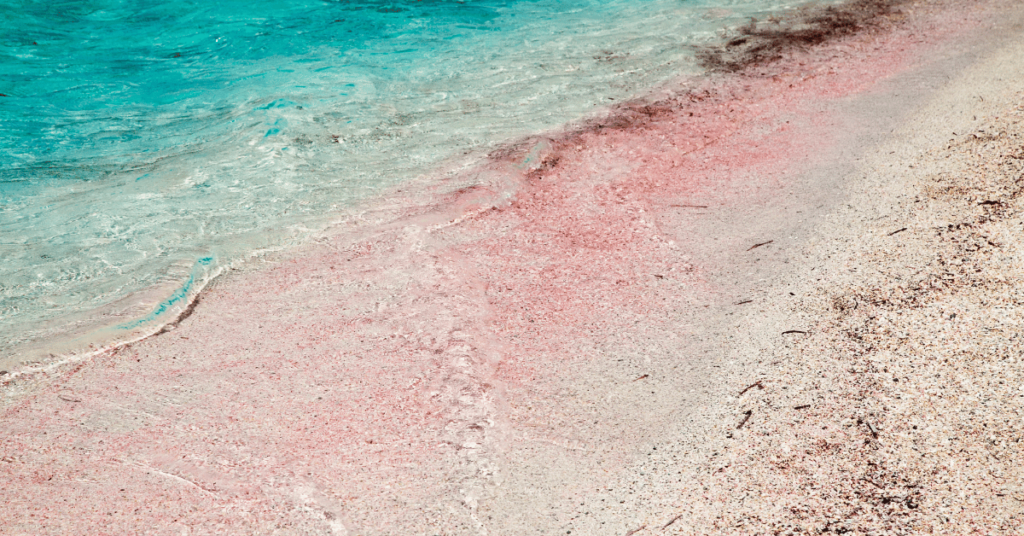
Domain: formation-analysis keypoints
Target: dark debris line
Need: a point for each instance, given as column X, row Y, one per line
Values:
column 763, row 42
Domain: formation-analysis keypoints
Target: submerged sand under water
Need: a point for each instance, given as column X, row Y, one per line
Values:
column 688, row 317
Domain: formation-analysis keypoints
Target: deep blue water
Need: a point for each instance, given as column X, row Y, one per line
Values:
column 146, row 144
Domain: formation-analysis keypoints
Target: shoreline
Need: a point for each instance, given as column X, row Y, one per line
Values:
column 138, row 317
column 504, row 360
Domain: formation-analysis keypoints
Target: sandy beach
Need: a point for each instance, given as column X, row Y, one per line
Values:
column 778, row 299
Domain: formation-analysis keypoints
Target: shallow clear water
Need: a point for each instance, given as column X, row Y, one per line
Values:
column 144, row 144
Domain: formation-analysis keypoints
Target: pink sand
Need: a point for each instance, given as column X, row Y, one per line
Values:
column 380, row 382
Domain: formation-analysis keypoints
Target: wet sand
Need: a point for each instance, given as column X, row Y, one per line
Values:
column 557, row 340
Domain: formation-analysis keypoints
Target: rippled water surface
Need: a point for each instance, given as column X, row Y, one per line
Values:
column 144, row 144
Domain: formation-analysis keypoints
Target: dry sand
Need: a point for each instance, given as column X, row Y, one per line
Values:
column 901, row 410
column 588, row 333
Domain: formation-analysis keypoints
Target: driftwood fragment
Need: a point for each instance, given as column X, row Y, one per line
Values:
column 755, row 246
column 751, row 386
column 872, row 482
column 787, row 332
column 746, row 417
column 897, row 231
column 673, row 520
column 642, row 377
column 745, row 301
column 802, row 406
column 874, row 432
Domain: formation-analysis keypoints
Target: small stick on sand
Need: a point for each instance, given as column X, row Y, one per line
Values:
column 67, row 398
column 745, row 301
column 689, row 206
column 642, row 377
column 746, row 417
column 759, row 245
column 787, row 332
column 897, row 231
column 872, row 482
column 874, row 433
column 634, row 531
column 751, row 386
column 674, row 519
column 802, row 406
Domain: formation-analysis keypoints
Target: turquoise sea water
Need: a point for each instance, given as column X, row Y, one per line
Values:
column 145, row 144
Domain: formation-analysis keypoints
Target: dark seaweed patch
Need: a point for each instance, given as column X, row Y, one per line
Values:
column 754, row 44
column 181, row 318
column 763, row 42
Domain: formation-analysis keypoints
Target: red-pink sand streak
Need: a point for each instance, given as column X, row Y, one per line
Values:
column 352, row 387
